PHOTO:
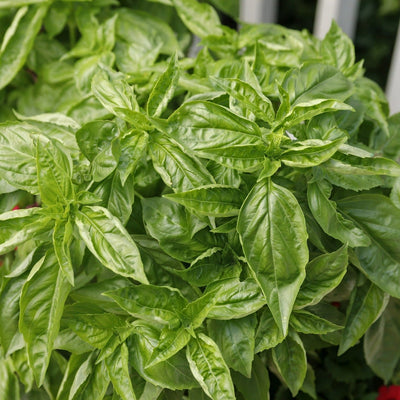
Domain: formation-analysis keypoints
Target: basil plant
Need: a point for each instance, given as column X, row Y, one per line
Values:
column 176, row 227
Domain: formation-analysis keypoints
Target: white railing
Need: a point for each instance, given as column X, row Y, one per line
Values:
column 345, row 12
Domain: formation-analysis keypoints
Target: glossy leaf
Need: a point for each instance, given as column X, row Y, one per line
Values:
column 277, row 253
column 291, row 362
column 366, row 305
column 209, row 368
column 109, row 242
column 62, row 237
column 323, row 274
column 235, row 339
column 380, row 220
column 212, row 200
column 41, row 306
column 18, row 41
column 308, row 323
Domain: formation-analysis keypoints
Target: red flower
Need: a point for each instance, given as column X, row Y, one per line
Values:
column 16, row 208
column 389, row 392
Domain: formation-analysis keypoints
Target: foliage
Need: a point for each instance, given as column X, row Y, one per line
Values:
column 206, row 227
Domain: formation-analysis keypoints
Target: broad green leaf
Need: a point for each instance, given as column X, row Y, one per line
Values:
column 171, row 341
column 235, row 339
column 308, row 323
column 257, row 386
column 163, row 90
column 291, row 361
column 209, row 368
column 380, row 220
column 78, row 369
column 20, row 226
column 62, row 238
column 109, row 242
column 98, row 141
column 330, row 219
column 117, row 198
column 337, row 49
column 54, row 168
column 18, row 41
column 19, row 3
column 213, row 132
column 41, row 307
column 113, row 92
column 236, row 299
column 212, row 266
column 323, row 274
column 174, row 228
column 9, row 311
column 252, row 98
column 211, row 200
column 367, row 303
column 382, row 342
column 173, row 373
column 311, row 152
column 312, row 90
column 153, row 303
column 18, row 157
column 268, row 334
column 9, row 385
column 177, row 169
column 276, row 252
column 132, row 147
column 96, row 385
column 118, row 369
column 200, row 19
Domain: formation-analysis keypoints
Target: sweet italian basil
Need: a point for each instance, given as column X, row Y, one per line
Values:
column 176, row 227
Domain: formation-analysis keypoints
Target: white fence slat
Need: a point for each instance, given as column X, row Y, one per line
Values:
column 345, row 12
column 258, row 11
column 393, row 82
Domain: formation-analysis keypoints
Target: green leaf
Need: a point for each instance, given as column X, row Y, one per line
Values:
column 113, row 92
column 118, row 369
column 276, row 252
column 62, row 238
column 323, row 274
column 18, row 41
column 19, row 226
column 367, row 303
column 98, row 141
column 235, row 339
column 209, row 368
column 41, row 307
column 9, row 385
column 211, row 200
column 311, row 152
column 177, row 169
column 257, row 386
column 96, row 385
column 201, row 19
column 330, row 219
column 308, row 323
column 213, row 132
column 380, row 220
column 236, row 299
column 18, row 157
column 212, row 266
column 109, row 242
column 312, row 90
column 174, row 228
column 252, row 98
column 268, row 334
column 173, row 373
column 337, row 49
column 153, row 303
column 382, row 342
column 291, row 361
column 164, row 89
column 54, row 167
